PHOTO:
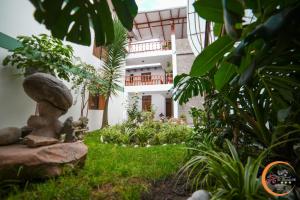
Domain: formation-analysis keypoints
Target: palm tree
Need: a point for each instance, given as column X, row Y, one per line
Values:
column 112, row 66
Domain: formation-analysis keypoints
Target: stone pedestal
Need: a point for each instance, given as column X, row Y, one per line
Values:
column 20, row 162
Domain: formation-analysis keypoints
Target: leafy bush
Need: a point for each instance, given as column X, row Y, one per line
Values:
column 198, row 116
column 250, row 74
column 224, row 174
column 148, row 132
column 42, row 53
column 147, row 116
column 111, row 134
column 133, row 113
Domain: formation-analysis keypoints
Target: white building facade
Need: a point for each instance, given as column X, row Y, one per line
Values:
column 158, row 50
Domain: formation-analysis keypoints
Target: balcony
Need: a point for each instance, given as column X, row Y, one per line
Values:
column 149, row 46
column 149, row 80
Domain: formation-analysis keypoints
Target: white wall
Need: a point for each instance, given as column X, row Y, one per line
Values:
column 158, row 102
column 149, row 54
column 149, row 88
column 154, row 71
column 15, row 106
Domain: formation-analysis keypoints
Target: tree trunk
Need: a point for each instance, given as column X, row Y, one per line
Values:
column 83, row 103
column 105, row 114
column 105, row 111
column 207, row 34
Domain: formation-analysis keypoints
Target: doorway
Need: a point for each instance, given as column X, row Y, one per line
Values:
column 169, row 108
column 146, row 103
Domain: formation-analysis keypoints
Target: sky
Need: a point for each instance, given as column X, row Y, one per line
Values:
column 145, row 5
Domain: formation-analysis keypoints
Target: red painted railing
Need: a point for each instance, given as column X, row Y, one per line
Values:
column 149, row 46
column 148, row 80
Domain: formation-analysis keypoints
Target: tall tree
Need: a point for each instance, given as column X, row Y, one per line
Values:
column 112, row 66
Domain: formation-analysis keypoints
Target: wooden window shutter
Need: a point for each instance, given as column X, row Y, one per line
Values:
column 146, row 103
column 101, row 102
column 93, row 102
column 99, row 52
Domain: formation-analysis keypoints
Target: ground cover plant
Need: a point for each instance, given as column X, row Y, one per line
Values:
column 142, row 129
column 110, row 172
column 147, row 133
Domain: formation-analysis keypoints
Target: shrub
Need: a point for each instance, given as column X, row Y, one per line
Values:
column 134, row 115
column 112, row 134
column 147, row 116
column 42, row 53
column 142, row 135
column 224, row 174
column 148, row 132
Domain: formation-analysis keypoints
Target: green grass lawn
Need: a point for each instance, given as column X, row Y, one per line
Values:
column 110, row 172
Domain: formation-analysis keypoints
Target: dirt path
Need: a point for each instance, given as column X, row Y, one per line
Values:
column 167, row 190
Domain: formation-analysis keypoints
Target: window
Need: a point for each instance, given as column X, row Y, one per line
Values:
column 146, row 103
column 146, row 77
column 96, row 102
column 131, row 78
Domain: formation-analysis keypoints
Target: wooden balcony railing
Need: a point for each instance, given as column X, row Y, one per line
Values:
column 149, row 46
column 148, row 80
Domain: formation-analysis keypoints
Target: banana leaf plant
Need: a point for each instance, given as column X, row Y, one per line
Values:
column 253, row 68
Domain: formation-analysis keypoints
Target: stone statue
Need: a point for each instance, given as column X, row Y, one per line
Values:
column 53, row 100
column 80, row 127
column 68, row 130
column 36, row 148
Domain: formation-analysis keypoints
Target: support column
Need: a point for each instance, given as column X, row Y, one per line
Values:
column 174, row 62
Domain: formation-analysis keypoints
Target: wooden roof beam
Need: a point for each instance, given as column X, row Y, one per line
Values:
column 146, row 15
column 137, row 28
column 162, row 27
column 163, row 20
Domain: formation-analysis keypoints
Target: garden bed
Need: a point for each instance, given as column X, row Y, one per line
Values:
column 110, row 172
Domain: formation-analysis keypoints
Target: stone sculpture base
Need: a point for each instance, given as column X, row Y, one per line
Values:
column 20, row 162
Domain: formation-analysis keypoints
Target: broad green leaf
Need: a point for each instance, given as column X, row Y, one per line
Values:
column 231, row 18
column 217, row 29
column 212, row 10
column 208, row 58
column 186, row 87
column 126, row 11
column 224, row 75
column 104, row 22
column 71, row 20
column 247, row 74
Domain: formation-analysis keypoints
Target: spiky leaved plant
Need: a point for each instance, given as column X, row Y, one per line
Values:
column 112, row 66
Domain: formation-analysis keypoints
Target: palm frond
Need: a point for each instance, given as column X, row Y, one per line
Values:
column 116, row 52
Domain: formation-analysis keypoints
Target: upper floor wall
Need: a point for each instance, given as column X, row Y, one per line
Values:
column 148, row 75
column 149, row 48
column 183, row 46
